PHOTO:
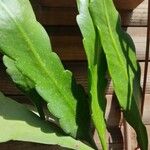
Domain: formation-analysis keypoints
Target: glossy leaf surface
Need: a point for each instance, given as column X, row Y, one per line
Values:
column 122, row 63
column 97, row 69
column 20, row 124
column 25, row 41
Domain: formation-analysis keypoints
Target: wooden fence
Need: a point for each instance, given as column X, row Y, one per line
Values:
column 59, row 19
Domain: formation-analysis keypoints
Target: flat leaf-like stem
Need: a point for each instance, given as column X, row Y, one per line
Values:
column 24, row 84
column 122, row 63
column 25, row 41
column 97, row 69
column 20, row 124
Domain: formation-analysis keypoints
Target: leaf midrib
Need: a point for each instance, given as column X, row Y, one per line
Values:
column 112, row 38
column 34, row 53
column 94, row 93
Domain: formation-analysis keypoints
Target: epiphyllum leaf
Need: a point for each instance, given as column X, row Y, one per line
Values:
column 122, row 63
column 24, row 84
column 97, row 69
column 25, row 41
column 20, row 124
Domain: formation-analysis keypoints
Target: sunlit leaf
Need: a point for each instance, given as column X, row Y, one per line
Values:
column 25, row 41
column 20, row 124
column 122, row 63
column 24, row 84
column 97, row 69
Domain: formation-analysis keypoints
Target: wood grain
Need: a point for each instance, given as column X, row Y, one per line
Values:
column 58, row 3
column 59, row 19
column 67, row 42
column 137, row 17
column 71, row 48
column 120, row 4
column 79, row 70
column 59, row 16
column 146, row 114
column 130, row 136
column 26, row 146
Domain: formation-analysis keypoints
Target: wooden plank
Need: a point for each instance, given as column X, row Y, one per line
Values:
column 57, row 16
column 68, row 47
column 26, row 146
column 63, row 30
column 58, row 3
column 137, row 17
column 71, row 48
column 79, row 71
column 146, row 113
column 131, row 137
column 67, row 15
column 148, row 131
column 121, row 4
column 138, row 35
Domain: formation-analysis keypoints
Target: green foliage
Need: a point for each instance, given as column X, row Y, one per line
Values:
column 39, row 73
column 25, row 41
column 97, row 69
column 20, row 124
column 120, row 55
column 24, row 84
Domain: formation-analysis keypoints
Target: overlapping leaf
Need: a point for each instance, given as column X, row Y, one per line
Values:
column 25, row 41
column 24, row 84
column 122, row 64
column 20, row 124
column 97, row 69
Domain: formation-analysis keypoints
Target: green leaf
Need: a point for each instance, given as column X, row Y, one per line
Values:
column 25, row 41
column 20, row 124
column 97, row 69
column 122, row 63
column 24, row 84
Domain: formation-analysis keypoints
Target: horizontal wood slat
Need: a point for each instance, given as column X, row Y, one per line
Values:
column 146, row 113
column 131, row 137
column 59, row 19
column 12, row 145
column 79, row 70
column 121, row 4
column 71, row 48
column 137, row 17
column 58, row 3
column 67, row 42
column 55, row 15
